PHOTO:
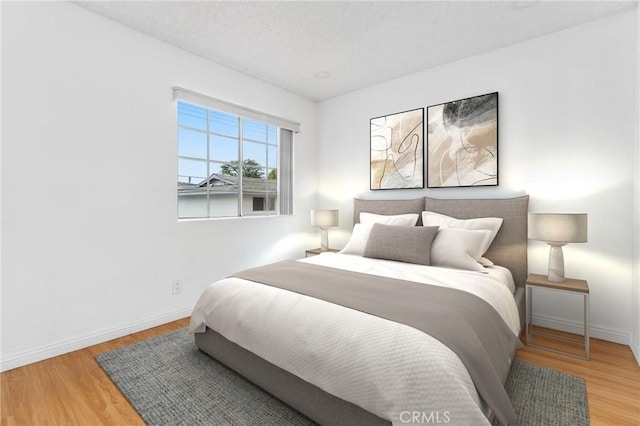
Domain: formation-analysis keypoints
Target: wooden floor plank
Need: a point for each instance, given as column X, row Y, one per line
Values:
column 612, row 376
column 72, row 389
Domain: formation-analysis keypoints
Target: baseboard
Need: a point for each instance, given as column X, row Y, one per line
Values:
column 69, row 345
column 576, row 327
column 636, row 353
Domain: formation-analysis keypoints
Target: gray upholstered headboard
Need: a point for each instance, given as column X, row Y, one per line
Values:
column 388, row 207
column 509, row 248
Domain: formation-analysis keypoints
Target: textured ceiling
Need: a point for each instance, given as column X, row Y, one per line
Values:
column 323, row 49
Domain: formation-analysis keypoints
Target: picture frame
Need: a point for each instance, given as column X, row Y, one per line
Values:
column 397, row 151
column 462, row 142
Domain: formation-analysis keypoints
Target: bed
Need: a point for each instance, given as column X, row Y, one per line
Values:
column 297, row 347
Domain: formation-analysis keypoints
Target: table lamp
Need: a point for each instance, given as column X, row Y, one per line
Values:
column 557, row 229
column 324, row 219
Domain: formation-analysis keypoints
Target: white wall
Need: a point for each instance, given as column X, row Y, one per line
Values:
column 635, row 299
column 90, row 239
column 566, row 137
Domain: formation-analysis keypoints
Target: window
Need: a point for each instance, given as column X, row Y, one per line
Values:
column 259, row 204
column 231, row 165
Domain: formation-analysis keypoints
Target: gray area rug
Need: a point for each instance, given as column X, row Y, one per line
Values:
column 542, row 396
column 170, row 382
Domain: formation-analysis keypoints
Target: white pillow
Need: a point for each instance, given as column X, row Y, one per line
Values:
column 409, row 219
column 361, row 231
column 358, row 240
column 492, row 224
column 459, row 248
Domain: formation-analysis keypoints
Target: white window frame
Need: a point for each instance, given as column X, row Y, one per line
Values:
column 284, row 134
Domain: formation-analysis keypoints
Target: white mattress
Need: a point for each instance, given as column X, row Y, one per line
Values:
column 389, row 369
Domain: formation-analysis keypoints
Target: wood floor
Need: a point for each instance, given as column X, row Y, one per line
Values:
column 73, row 390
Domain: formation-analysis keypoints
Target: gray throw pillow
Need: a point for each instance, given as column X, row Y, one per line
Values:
column 410, row 244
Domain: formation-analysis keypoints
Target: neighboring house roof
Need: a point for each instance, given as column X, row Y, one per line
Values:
column 224, row 184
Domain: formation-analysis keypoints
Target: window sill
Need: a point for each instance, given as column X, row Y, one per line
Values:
column 249, row 217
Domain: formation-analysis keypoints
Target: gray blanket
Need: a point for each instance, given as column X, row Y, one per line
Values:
column 462, row 321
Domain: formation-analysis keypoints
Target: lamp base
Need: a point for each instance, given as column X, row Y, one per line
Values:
column 556, row 263
column 324, row 239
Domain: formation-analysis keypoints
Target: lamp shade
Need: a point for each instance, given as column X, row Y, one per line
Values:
column 559, row 228
column 324, row 218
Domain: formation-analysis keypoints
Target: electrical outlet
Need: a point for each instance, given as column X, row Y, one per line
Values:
column 176, row 287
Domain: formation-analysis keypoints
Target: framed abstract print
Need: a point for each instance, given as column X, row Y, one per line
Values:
column 397, row 150
column 462, row 142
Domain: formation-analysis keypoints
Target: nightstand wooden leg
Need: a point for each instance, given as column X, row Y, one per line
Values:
column 528, row 313
column 586, row 326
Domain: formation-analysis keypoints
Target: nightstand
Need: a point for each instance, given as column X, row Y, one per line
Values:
column 579, row 287
column 316, row 251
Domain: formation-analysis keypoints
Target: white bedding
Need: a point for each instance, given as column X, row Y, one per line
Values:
column 496, row 286
column 389, row 369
